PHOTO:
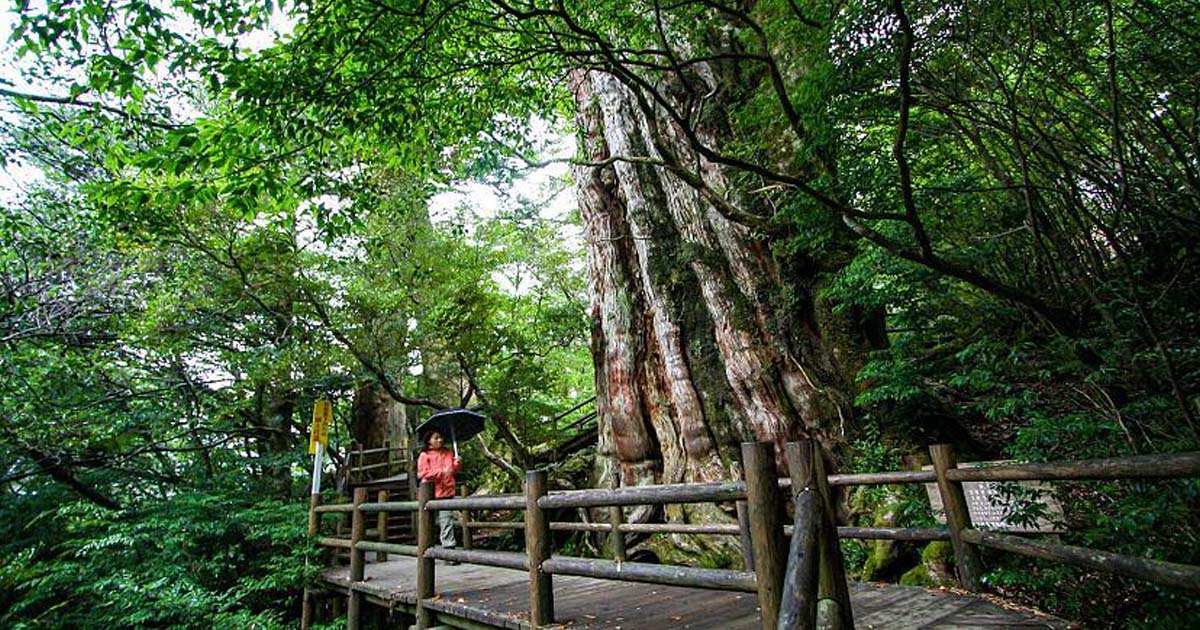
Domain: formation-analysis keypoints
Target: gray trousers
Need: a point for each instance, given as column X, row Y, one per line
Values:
column 445, row 519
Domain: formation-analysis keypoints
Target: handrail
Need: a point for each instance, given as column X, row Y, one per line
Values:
column 401, row 550
column 869, row 533
column 646, row 495
column 717, row 579
column 881, row 478
column 806, row 574
column 366, row 467
column 334, row 507
column 495, row 524
column 504, row 559
column 1157, row 466
column 1165, row 466
column 483, row 502
column 366, row 545
column 578, row 527
column 583, row 420
column 894, row 533
column 378, row 449
column 389, row 506
column 572, row 410
column 1157, row 571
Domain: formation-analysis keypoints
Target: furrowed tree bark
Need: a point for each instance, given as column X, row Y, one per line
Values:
column 701, row 338
column 377, row 418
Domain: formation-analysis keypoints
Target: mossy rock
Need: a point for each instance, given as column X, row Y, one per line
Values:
column 918, row 576
column 938, row 559
column 704, row 551
column 935, row 568
column 881, row 554
column 938, row 551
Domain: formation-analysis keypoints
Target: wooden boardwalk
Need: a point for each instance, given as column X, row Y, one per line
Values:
column 499, row 598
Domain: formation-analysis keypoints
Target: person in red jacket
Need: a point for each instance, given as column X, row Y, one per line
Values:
column 439, row 465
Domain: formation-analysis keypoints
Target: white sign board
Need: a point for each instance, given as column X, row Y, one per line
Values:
column 994, row 508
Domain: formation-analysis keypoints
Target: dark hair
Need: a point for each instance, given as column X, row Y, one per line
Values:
column 429, row 434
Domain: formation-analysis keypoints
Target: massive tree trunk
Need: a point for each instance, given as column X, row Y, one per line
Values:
column 702, row 338
column 377, row 418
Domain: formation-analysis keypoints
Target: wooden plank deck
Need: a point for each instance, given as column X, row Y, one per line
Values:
column 500, row 598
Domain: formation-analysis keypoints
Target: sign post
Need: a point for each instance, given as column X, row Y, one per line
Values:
column 318, row 438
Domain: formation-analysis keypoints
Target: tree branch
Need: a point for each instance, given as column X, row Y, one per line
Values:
column 500, row 462
column 76, row 102
column 904, row 62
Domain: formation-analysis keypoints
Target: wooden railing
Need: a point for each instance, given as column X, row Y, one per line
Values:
column 371, row 463
column 801, row 587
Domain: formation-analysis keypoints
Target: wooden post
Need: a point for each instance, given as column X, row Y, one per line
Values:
column 765, row 507
column 314, row 519
column 744, row 534
column 314, row 526
column 465, row 516
column 616, row 516
column 381, row 524
column 358, row 561
column 391, row 459
column 306, row 610
column 356, row 455
column 801, row 584
column 966, row 559
column 806, row 466
column 426, row 531
column 537, row 549
column 414, row 482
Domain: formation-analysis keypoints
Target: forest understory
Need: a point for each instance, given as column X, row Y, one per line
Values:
column 632, row 235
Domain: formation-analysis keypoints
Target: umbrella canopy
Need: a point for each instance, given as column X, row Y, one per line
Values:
column 455, row 424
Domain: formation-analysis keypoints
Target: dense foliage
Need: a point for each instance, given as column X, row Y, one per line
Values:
column 221, row 235
column 220, row 556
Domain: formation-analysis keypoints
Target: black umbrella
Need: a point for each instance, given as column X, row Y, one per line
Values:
column 458, row 423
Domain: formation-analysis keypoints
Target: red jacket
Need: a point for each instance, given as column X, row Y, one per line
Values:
column 439, row 467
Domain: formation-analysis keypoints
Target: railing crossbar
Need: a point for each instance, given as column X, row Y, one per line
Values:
column 389, row 506
column 334, row 507
column 367, row 467
column 504, row 559
column 717, row 579
column 380, row 449
column 402, row 550
column 484, row 502
column 646, row 495
column 1157, row 571
column 1169, row 466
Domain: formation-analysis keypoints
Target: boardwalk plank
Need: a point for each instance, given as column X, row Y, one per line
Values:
column 500, row 597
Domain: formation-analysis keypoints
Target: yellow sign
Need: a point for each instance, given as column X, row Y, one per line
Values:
column 322, row 419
